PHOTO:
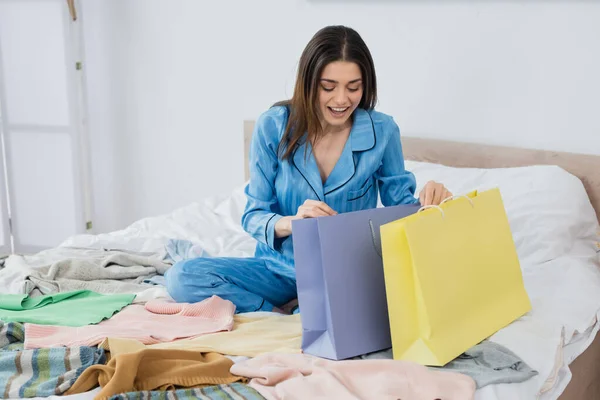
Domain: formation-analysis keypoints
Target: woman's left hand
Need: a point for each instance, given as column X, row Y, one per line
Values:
column 433, row 194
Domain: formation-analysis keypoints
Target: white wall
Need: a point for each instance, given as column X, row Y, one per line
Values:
column 170, row 82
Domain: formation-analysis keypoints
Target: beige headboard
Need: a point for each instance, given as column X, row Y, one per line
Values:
column 470, row 155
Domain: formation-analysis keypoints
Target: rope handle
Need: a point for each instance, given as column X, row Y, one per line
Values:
column 445, row 200
column 432, row 206
column 458, row 197
column 376, row 241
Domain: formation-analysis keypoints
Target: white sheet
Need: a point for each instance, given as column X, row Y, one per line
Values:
column 554, row 227
column 214, row 224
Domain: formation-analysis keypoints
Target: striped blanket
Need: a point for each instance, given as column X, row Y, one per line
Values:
column 39, row 372
column 232, row 391
column 12, row 336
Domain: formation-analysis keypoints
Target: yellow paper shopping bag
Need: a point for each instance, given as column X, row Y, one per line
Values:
column 452, row 278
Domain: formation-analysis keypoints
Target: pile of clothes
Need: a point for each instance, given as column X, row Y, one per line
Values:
column 100, row 321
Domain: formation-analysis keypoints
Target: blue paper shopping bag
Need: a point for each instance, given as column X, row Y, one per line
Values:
column 340, row 280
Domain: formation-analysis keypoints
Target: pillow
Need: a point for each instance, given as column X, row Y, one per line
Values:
column 548, row 209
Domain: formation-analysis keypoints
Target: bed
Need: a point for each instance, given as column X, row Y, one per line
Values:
column 579, row 375
column 554, row 220
column 585, row 369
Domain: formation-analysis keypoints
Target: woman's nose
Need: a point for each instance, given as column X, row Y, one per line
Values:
column 340, row 97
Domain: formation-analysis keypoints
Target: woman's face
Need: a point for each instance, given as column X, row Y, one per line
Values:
column 340, row 92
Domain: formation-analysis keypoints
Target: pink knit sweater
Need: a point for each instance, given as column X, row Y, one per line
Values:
column 300, row 376
column 156, row 322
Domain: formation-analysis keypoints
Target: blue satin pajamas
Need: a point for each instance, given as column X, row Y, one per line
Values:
column 371, row 165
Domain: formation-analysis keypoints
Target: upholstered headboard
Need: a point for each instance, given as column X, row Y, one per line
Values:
column 470, row 155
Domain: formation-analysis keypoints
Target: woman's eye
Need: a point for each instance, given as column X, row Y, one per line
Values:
column 327, row 89
column 353, row 89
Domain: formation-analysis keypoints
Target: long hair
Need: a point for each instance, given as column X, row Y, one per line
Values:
column 332, row 43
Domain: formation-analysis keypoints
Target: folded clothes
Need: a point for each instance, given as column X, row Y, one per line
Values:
column 12, row 336
column 181, row 249
column 64, row 269
column 490, row 363
column 252, row 334
column 487, row 363
column 40, row 372
column 236, row 391
column 154, row 323
column 154, row 369
column 300, row 376
column 77, row 308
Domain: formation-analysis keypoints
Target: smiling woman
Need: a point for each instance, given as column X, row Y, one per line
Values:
column 324, row 151
column 339, row 98
column 336, row 70
column 337, row 101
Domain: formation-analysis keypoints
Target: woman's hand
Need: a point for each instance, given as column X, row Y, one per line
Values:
column 313, row 209
column 310, row 209
column 433, row 194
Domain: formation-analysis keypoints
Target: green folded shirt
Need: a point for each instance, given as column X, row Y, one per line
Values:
column 78, row 308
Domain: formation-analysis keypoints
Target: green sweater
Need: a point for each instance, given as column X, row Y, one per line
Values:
column 78, row 308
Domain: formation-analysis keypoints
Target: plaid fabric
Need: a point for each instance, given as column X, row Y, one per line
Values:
column 39, row 372
column 233, row 391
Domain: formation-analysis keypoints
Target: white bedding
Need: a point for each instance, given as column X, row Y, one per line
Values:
column 554, row 227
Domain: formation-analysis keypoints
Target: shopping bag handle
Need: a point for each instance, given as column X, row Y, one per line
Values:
column 432, row 206
column 376, row 240
column 445, row 200
column 457, row 197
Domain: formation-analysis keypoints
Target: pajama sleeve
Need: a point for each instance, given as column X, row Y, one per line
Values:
column 396, row 184
column 262, row 208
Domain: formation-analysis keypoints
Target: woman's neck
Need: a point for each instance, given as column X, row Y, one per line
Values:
column 333, row 129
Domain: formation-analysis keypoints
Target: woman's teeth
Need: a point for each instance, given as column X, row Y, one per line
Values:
column 339, row 109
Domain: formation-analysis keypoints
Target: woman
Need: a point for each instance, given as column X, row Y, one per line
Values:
column 325, row 151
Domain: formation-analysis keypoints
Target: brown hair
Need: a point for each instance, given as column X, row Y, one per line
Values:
column 332, row 43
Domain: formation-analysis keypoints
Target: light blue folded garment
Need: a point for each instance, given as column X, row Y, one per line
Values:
column 487, row 363
column 181, row 249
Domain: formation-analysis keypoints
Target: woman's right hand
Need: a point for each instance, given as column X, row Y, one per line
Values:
column 310, row 209
column 313, row 209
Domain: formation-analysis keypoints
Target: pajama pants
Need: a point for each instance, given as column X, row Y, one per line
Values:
column 246, row 282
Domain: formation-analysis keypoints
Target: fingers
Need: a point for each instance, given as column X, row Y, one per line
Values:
column 428, row 194
column 311, row 212
column 314, row 209
column 447, row 194
column 320, row 205
column 437, row 194
column 433, row 194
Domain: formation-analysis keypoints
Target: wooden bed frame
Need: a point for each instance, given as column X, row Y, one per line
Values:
column 585, row 383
